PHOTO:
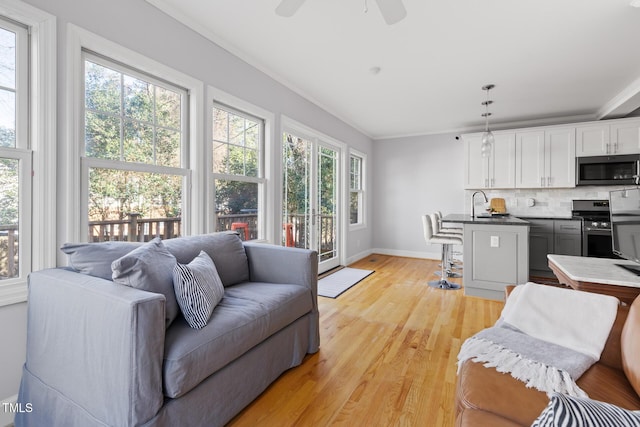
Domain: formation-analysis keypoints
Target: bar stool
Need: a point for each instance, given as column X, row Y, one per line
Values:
column 448, row 260
column 445, row 241
column 449, row 229
column 239, row 225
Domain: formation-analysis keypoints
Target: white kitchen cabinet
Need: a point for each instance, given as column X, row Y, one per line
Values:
column 625, row 137
column 545, row 158
column 602, row 139
column 560, row 157
column 495, row 171
column 530, row 158
column 592, row 140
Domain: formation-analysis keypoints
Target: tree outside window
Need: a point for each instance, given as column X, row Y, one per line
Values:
column 133, row 147
column 356, row 191
column 237, row 172
column 14, row 151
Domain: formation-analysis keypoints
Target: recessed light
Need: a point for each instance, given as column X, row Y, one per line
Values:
column 635, row 3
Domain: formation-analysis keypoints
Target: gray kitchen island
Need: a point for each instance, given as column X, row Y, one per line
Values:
column 495, row 251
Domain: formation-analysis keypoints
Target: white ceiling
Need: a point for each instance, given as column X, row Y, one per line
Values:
column 574, row 59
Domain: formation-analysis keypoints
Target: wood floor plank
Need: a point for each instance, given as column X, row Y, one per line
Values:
column 387, row 356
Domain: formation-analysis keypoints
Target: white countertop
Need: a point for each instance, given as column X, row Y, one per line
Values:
column 596, row 270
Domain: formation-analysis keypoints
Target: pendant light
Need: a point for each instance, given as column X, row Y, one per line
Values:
column 487, row 136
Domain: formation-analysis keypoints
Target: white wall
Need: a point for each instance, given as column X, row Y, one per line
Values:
column 414, row 176
column 139, row 26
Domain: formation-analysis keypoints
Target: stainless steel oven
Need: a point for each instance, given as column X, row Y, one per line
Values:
column 596, row 227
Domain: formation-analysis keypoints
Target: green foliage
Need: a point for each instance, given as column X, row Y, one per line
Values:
column 9, row 188
column 296, row 154
column 131, row 120
column 235, row 152
column 295, row 161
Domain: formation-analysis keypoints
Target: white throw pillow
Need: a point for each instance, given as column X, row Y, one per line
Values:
column 198, row 289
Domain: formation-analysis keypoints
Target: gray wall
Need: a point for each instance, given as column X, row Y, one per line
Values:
column 13, row 319
column 414, row 176
column 139, row 26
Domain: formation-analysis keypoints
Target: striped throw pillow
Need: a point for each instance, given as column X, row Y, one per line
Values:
column 567, row 411
column 198, row 289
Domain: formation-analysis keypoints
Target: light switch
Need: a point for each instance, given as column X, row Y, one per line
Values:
column 495, row 241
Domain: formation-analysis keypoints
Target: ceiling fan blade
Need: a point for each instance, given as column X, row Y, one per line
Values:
column 287, row 8
column 392, row 10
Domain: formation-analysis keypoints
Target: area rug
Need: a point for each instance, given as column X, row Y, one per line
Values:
column 336, row 283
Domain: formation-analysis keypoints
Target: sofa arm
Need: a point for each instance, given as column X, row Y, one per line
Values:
column 98, row 344
column 612, row 352
column 279, row 264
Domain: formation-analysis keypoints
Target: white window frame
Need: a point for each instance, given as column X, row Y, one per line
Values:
column 75, row 207
column 225, row 101
column 88, row 163
column 289, row 125
column 362, row 223
column 37, row 155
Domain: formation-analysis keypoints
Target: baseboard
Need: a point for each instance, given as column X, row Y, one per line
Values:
column 6, row 416
column 407, row 254
column 358, row 256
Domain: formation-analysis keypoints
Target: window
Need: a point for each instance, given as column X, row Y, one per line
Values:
column 238, row 146
column 134, row 153
column 27, row 146
column 15, row 154
column 356, row 190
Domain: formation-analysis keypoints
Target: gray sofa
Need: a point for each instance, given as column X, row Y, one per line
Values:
column 98, row 353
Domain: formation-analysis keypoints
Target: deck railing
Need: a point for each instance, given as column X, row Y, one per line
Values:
column 9, row 240
column 136, row 229
column 139, row 229
column 300, row 235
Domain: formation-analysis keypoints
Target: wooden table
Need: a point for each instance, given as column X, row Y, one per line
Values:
column 598, row 275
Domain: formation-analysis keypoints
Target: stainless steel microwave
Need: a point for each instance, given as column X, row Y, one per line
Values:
column 608, row 170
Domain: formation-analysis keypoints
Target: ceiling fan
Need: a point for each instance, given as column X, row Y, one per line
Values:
column 392, row 10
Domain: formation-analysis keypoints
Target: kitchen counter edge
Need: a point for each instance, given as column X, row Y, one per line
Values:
column 466, row 219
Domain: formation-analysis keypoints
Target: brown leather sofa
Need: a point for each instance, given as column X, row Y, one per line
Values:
column 486, row 397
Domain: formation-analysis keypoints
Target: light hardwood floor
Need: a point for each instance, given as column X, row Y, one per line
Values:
column 387, row 356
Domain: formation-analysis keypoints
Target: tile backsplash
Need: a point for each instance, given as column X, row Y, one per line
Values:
column 550, row 202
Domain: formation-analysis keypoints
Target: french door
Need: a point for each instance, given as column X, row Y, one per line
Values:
column 310, row 197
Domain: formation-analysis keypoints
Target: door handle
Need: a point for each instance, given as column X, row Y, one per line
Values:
column 548, row 181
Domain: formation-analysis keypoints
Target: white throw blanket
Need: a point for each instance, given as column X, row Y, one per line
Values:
column 547, row 337
column 577, row 320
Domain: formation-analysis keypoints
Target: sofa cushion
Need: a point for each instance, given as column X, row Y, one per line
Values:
column 198, row 289
column 610, row 385
column 224, row 248
column 248, row 313
column 475, row 418
column 149, row 267
column 95, row 259
column 567, row 411
column 491, row 391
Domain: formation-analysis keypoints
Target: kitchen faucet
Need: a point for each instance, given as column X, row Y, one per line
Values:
column 473, row 206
